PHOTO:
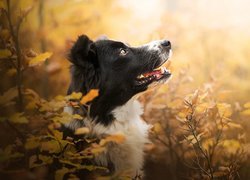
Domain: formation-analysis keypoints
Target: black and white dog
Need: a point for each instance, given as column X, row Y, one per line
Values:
column 120, row 72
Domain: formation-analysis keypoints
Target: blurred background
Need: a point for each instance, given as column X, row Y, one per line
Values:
column 210, row 38
column 211, row 52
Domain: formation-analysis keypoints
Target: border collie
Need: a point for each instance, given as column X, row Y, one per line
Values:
column 120, row 72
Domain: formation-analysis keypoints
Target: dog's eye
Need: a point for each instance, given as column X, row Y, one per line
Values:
column 123, row 52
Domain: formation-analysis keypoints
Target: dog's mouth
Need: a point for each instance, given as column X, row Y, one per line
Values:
column 159, row 74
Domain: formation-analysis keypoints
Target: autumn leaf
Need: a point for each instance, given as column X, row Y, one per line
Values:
column 40, row 58
column 59, row 174
column 97, row 150
column 90, row 96
column 8, row 96
column 195, row 97
column 224, row 109
column 208, row 143
column 234, row 125
column 158, row 128
column 83, row 130
column 18, row 118
column 31, row 105
column 35, row 161
column 32, row 143
column 4, row 53
column 8, row 153
column 231, row 146
column 77, row 116
column 246, row 112
column 116, row 138
column 247, row 105
column 11, row 72
column 2, row 5
column 51, row 146
column 74, row 96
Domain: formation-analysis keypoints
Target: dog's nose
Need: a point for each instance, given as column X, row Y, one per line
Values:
column 166, row 44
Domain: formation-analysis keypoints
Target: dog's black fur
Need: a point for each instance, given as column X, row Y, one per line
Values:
column 112, row 67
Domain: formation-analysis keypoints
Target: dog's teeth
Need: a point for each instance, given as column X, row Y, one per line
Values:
column 140, row 76
column 162, row 70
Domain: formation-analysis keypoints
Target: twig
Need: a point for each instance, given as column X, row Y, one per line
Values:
column 19, row 55
column 20, row 135
column 192, row 124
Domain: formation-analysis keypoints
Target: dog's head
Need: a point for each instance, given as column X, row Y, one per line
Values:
column 116, row 69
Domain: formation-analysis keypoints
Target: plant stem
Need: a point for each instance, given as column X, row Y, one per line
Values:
column 19, row 57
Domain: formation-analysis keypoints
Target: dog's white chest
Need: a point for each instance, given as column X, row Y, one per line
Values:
column 127, row 156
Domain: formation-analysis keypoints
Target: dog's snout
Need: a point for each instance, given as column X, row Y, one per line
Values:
column 166, row 44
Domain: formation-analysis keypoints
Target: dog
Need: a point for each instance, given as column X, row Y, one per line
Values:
column 120, row 72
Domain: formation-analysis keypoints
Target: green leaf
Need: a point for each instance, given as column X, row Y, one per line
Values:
column 40, row 58
column 18, row 118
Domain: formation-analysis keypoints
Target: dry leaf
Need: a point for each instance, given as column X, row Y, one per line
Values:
column 81, row 131
column 40, row 58
column 90, row 96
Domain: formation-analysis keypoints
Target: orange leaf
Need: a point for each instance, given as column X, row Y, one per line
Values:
column 90, row 96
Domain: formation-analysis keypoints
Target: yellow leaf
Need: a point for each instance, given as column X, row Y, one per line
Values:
column 18, row 118
column 190, row 137
column 2, row 5
column 40, row 58
column 74, row 95
column 77, row 116
column 234, row 125
column 195, row 97
column 90, row 96
column 97, row 150
column 83, row 130
column 32, row 143
column 175, row 103
column 34, row 162
column 247, row 105
column 116, row 138
column 246, row 112
column 60, row 173
column 202, row 107
column 5, row 53
column 8, row 96
column 11, row 72
column 58, row 134
column 31, row 105
column 224, row 109
column 208, row 143
column 158, row 128
column 232, row 146
column 59, row 98
column 51, row 146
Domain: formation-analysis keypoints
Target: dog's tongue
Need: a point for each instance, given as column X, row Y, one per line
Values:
column 155, row 72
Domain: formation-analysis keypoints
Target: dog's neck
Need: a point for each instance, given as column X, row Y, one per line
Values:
column 103, row 107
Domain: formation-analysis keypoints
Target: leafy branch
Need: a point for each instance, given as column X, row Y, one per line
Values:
column 14, row 31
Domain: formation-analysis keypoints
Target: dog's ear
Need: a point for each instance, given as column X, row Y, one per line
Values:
column 85, row 69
